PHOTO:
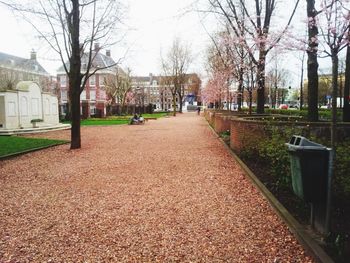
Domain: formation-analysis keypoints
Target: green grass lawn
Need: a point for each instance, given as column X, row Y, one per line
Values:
column 89, row 122
column 13, row 144
column 116, row 120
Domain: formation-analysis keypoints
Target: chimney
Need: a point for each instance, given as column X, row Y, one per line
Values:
column 108, row 52
column 33, row 55
column 97, row 47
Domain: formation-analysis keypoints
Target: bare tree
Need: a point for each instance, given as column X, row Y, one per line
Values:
column 70, row 28
column 175, row 67
column 276, row 79
column 117, row 87
column 8, row 79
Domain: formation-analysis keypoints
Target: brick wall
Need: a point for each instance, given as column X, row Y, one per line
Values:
column 222, row 122
column 245, row 132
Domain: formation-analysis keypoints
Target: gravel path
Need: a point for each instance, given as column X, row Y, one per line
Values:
column 165, row 191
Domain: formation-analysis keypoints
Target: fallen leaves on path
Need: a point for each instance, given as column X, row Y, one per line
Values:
column 166, row 191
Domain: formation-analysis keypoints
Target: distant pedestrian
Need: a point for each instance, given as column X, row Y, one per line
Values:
column 198, row 110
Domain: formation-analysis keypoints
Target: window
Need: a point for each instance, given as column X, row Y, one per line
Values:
column 92, row 80
column 92, row 94
column 64, row 95
column 63, row 81
column 83, row 95
column 102, row 94
column 63, row 109
column 101, row 80
column 92, row 109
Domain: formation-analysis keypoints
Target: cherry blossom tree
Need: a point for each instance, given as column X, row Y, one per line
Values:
column 216, row 89
column 334, row 27
column 259, row 15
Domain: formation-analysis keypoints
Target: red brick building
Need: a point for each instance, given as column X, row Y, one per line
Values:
column 93, row 99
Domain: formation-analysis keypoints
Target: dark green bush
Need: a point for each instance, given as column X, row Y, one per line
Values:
column 273, row 152
column 342, row 171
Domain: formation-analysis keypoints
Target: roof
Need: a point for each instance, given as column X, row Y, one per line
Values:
column 99, row 61
column 143, row 79
column 140, row 79
column 22, row 64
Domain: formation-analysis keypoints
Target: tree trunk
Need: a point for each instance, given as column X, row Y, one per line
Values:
column 346, row 106
column 75, row 76
column 240, row 89
column 174, row 104
column 335, row 63
column 312, row 64
column 180, row 100
column 301, row 97
column 250, row 101
column 261, row 81
column 275, row 98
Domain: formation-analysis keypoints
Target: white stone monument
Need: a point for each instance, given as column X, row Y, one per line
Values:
column 27, row 106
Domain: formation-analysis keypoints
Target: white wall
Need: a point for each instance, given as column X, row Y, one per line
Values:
column 35, row 103
column 2, row 110
column 11, row 109
column 50, row 109
column 22, row 106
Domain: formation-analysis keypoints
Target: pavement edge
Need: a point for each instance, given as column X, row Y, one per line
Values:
column 309, row 244
column 12, row 155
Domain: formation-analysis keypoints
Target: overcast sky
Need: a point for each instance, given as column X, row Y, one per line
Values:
column 153, row 24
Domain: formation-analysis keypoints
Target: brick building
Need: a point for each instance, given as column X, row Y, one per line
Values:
column 152, row 90
column 93, row 99
column 14, row 69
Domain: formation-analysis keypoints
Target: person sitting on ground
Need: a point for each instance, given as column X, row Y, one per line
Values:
column 135, row 119
column 141, row 119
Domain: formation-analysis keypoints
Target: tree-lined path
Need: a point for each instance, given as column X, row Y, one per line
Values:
column 165, row 191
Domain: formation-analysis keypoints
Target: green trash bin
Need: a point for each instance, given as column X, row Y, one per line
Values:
column 309, row 168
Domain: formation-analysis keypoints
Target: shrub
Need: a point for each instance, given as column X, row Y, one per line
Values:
column 273, row 152
column 342, row 171
column 36, row 120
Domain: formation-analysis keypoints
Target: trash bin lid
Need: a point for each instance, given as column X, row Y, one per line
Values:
column 299, row 142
